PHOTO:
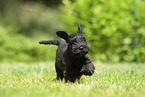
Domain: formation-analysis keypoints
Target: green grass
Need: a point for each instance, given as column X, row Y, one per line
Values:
column 38, row 80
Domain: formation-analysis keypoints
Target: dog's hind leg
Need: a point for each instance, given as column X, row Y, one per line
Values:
column 59, row 73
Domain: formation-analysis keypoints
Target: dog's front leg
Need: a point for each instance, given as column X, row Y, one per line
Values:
column 68, row 77
column 88, row 68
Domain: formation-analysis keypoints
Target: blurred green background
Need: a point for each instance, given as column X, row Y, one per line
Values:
column 115, row 30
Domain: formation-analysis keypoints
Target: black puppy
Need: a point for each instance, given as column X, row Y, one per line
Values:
column 72, row 59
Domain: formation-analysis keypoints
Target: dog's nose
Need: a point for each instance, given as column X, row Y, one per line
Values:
column 81, row 48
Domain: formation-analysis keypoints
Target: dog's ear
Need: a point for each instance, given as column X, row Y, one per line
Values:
column 79, row 29
column 63, row 35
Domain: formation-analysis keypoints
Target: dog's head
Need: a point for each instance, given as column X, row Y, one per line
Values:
column 77, row 44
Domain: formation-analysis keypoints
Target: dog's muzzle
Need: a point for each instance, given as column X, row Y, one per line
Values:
column 81, row 50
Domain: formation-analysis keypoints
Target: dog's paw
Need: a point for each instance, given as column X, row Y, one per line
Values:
column 87, row 72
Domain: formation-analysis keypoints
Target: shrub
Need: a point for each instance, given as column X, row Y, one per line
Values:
column 112, row 32
column 17, row 47
column 31, row 18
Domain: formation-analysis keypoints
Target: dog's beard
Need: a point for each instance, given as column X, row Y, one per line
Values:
column 80, row 53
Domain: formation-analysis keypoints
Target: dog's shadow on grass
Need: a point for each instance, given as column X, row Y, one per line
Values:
column 81, row 81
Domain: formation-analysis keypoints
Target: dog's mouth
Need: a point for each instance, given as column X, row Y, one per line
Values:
column 81, row 53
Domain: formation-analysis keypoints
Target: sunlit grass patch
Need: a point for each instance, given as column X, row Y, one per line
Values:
column 38, row 79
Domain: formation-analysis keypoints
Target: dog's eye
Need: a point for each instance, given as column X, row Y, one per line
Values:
column 84, row 39
column 73, row 42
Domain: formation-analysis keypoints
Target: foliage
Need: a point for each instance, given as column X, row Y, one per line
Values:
column 52, row 3
column 17, row 47
column 22, row 26
column 31, row 18
column 112, row 32
column 38, row 80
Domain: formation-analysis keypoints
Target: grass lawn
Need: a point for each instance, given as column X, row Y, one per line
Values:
column 38, row 80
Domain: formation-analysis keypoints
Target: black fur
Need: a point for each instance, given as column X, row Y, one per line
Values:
column 72, row 59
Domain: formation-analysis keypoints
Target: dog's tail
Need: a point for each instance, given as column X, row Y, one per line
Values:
column 55, row 42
